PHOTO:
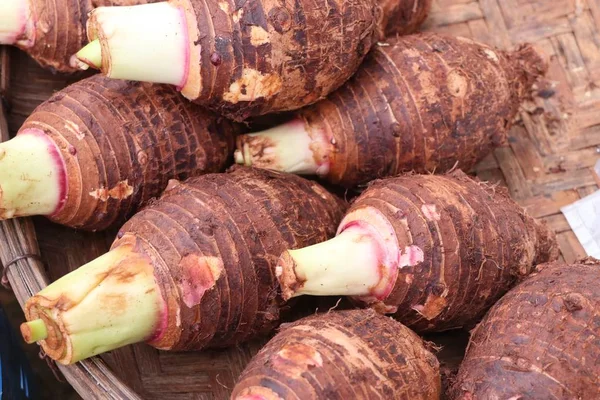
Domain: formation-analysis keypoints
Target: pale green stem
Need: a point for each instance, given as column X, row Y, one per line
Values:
column 34, row 331
column 147, row 42
column 90, row 56
column 32, row 175
column 347, row 265
column 108, row 303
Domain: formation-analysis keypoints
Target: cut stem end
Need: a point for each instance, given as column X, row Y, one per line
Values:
column 287, row 148
column 351, row 264
column 34, row 331
column 32, row 175
column 89, row 56
column 108, row 303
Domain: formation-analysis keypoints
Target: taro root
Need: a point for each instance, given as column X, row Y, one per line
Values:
column 540, row 341
column 99, row 149
column 242, row 59
column 354, row 354
column 434, row 251
column 421, row 103
column 194, row 269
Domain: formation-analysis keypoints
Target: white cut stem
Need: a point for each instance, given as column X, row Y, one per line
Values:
column 347, row 265
column 146, row 42
column 108, row 303
column 32, row 180
column 285, row 148
column 13, row 20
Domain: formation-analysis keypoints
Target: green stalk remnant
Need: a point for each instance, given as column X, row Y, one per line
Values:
column 32, row 175
column 362, row 260
column 145, row 42
column 34, row 331
column 89, row 56
column 346, row 265
column 108, row 303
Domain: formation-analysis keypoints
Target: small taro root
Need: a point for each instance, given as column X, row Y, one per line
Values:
column 421, row 103
column 240, row 59
column 434, row 251
column 194, row 269
column 50, row 31
column 540, row 341
column 355, row 354
column 99, row 149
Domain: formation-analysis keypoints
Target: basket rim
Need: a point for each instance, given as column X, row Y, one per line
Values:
column 91, row 378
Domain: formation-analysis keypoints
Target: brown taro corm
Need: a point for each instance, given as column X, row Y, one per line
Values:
column 435, row 251
column 354, row 354
column 244, row 59
column 50, row 31
column 402, row 17
column 240, row 59
column 422, row 103
column 540, row 341
column 242, row 220
column 97, row 150
column 194, row 269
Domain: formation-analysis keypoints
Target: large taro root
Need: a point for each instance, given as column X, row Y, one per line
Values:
column 540, row 341
column 435, row 251
column 243, row 59
column 99, row 149
column 194, row 269
column 421, row 103
column 355, row 354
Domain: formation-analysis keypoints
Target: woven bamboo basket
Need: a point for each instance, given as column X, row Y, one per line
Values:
column 547, row 164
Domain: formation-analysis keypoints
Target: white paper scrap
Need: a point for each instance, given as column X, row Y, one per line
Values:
column 584, row 218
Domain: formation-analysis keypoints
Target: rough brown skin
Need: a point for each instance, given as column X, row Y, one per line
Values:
column 355, row 354
column 402, row 17
column 123, row 141
column 309, row 50
column 476, row 244
column 416, row 105
column 59, row 29
column 234, row 225
column 540, row 341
